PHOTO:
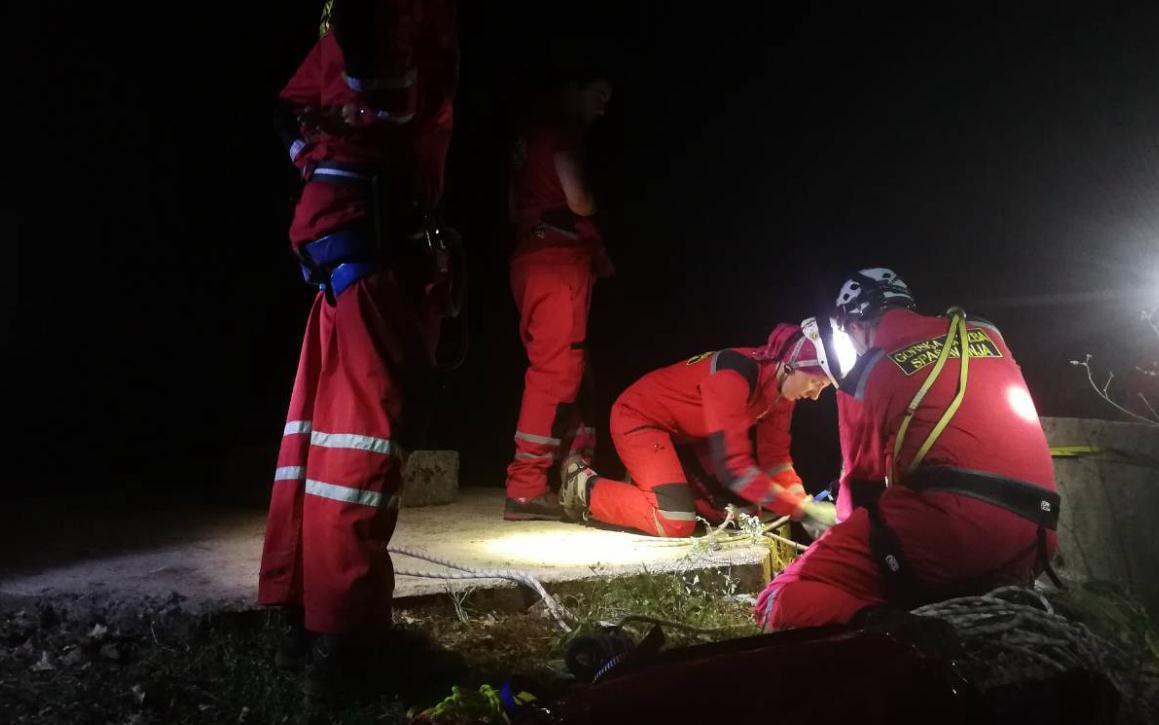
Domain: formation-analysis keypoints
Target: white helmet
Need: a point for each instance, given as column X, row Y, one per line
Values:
column 868, row 293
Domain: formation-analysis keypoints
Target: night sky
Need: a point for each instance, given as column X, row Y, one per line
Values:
column 1003, row 160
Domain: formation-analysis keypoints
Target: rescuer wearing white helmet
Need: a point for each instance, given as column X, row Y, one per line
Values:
column 947, row 486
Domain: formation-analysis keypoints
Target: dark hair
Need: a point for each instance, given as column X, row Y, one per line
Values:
column 583, row 78
column 564, row 73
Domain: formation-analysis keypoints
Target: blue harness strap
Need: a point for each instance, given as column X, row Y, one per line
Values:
column 338, row 260
column 348, row 273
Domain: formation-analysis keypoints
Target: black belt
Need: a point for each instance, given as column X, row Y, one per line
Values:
column 560, row 220
column 1034, row 503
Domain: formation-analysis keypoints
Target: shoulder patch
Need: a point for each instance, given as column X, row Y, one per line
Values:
column 919, row 355
column 743, row 364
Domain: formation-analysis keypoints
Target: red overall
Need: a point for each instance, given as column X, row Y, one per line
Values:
column 952, row 542
column 556, row 260
column 709, row 402
column 335, row 496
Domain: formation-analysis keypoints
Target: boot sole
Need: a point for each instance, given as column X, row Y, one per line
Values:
column 531, row 517
column 576, row 517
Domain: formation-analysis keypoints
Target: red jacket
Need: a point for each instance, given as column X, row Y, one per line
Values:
column 415, row 58
column 996, row 429
column 542, row 216
column 717, row 398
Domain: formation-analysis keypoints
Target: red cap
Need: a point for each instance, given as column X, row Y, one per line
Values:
column 788, row 345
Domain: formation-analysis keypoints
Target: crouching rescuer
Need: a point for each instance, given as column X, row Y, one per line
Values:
column 367, row 120
column 683, row 434
column 947, row 486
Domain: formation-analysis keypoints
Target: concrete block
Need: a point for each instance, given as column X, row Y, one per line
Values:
column 430, row 478
column 1110, row 503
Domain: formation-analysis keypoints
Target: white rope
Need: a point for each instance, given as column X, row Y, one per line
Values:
column 778, row 523
column 788, row 542
column 716, row 536
column 557, row 612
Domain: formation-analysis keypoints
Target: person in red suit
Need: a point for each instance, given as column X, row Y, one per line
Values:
column 676, row 422
column 947, row 486
column 558, row 256
column 367, row 119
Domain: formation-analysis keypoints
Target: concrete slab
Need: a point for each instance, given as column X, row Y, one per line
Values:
column 1109, row 500
column 471, row 532
column 210, row 557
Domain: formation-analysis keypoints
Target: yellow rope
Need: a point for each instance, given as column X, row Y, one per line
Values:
column 1075, row 451
column 957, row 326
column 324, row 23
column 959, row 317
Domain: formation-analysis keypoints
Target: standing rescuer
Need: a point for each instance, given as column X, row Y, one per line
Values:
column 367, row 118
column 702, row 411
column 947, row 486
column 558, row 255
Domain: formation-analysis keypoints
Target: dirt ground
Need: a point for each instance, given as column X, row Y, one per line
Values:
column 131, row 617
column 153, row 662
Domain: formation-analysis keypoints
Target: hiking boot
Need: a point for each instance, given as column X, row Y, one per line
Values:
column 293, row 639
column 573, row 492
column 540, row 508
column 338, row 669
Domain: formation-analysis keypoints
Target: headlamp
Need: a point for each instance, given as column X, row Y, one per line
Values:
column 835, row 352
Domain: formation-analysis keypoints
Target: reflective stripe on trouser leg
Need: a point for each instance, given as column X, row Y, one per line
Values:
column 552, row 295
column 675, row 509
column 353, row 473
column 535, row 453
column 535, row 447
column 349, row 583
column 537, row 439
column 630, row 506
column 280, row 579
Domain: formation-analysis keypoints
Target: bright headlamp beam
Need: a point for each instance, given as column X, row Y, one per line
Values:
column 846, row 353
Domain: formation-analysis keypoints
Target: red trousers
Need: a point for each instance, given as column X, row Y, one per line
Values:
column 951, row 542
column 660, row 500
column 552, row 289
column 335, row 495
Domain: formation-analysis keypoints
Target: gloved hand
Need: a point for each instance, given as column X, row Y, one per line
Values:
column 817, row 517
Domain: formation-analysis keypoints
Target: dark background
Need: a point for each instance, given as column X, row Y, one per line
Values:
column 1004, row 160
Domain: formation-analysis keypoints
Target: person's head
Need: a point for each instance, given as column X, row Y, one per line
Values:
column 867, row 295
column 800, row 372
column 803, row 383
column 585, row 98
